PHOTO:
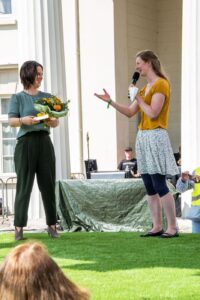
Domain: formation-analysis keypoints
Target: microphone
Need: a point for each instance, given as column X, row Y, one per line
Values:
column 135, row 77
column 132, row 91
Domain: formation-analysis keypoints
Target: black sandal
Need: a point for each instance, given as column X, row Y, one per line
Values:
column 167, row 235
column 152, row 234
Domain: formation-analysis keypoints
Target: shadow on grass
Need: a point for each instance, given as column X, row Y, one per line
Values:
column 104, row 252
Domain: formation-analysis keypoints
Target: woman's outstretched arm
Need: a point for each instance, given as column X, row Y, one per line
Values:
column 128, row 111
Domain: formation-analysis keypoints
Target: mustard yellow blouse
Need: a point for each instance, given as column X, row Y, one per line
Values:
column 160, row 86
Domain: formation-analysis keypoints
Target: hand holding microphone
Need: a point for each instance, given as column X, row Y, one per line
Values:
column 132, row 91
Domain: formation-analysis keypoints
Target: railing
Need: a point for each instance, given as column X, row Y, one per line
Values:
column 10, row 195
column 8, row 191
column 2, row 204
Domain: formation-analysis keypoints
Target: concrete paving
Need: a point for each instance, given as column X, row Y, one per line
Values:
column 39, row 225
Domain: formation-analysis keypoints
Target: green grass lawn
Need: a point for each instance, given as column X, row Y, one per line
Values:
column 124, row 266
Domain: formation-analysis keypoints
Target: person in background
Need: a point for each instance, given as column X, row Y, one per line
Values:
column 187, row 182
column 154, row 153
column 34, row 152
column 173, row 179
column 29, row 273
column 178, row 157
column 129, row 164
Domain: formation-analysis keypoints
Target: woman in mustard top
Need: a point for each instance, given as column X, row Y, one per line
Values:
column 153, row 149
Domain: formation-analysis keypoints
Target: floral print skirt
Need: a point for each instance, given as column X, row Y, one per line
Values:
column 154, row 153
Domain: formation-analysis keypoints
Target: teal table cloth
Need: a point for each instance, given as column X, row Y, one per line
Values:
column 103, row 205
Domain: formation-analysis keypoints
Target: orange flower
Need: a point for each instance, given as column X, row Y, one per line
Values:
column 57, row 107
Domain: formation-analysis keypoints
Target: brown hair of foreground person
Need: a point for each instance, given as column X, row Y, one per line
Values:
column 29, row 273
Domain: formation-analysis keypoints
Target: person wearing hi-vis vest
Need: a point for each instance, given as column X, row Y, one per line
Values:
column 185, row 183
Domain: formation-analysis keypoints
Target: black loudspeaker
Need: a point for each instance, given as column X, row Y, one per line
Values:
column 90, row 166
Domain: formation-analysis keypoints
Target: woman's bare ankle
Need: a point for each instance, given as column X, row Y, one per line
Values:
column 18, row 228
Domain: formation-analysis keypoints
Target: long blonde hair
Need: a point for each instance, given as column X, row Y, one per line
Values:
column 150, row 56
column 29, row 273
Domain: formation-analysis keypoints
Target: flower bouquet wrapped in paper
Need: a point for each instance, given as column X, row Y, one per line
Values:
column 51, row 107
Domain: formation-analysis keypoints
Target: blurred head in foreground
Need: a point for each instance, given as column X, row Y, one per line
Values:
column 29, row 273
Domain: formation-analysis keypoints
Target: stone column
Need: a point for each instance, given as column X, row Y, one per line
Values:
column 40, row 38
column 190, row 111
column 70, row 11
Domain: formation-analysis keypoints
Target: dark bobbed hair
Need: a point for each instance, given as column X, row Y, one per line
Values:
column 29, row 273
column 150, row 56
column 28, row 73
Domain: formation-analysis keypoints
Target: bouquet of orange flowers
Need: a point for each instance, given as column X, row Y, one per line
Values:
column 51, row 107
